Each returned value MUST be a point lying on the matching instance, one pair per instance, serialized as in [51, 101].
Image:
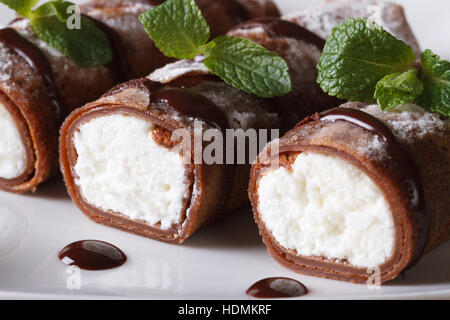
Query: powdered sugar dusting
[6, 65]
[410, 121]
[251, 32]
[321, 18]
[122, 19]
[374, 149]
[243, 110]
[177, 69]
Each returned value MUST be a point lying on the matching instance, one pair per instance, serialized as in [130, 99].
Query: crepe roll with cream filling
[123, 168]
[121, 164]
[355, 192]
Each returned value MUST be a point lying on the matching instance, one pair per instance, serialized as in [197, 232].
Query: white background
[220, 261]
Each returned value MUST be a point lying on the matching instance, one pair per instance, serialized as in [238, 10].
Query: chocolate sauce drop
[278, 287]
[37, 61]
[403, 159]
[92, 255]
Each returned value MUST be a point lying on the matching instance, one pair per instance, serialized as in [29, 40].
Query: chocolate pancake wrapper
[392, 209]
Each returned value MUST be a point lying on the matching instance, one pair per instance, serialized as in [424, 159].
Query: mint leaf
[177, 27]
[22, 7]
[56, 7]
[436, 80]
[248, 66]
[397, 89]
[179, 30]
[87, 46]
[357, 55]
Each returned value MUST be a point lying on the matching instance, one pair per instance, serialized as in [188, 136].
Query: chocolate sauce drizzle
[37, 61]
[191, 105]
[278, 287]
[92, 255]
[403, 160]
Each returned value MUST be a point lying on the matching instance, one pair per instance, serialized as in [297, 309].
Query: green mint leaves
[356, 56]
[436, 80]
[397, 89]
[363, 62]
[180, 31]
[59, 25]
[177, 28]
[87, 46]
[248, 66]
[59, 8]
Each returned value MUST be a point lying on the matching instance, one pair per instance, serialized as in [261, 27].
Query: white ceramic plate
[220, 261]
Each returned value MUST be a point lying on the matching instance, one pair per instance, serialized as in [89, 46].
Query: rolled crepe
[123, 168]
[39, 86]
[220, 15]
[322, 17]
[355, 192]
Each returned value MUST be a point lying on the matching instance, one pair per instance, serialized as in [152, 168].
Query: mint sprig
[363, 62]
[357, 55]
[262, 72]
[58, 8]
[180, 31]
[178, 28]
[436, 80]
[86, 44]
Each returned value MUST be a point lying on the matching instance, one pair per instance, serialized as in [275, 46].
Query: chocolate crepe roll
[221, 15]
[355, 192]
[322, 17]
[39, 86]
[159, 196]
[123, 168]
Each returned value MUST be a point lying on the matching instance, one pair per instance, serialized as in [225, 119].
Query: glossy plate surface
[220, 261]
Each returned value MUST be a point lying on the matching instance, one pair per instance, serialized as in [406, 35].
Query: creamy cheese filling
[329, 208]
[13, 156]
[120, 168]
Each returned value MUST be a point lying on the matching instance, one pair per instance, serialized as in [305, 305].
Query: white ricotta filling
[13, 155]
[120, 168]
[327, 207]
